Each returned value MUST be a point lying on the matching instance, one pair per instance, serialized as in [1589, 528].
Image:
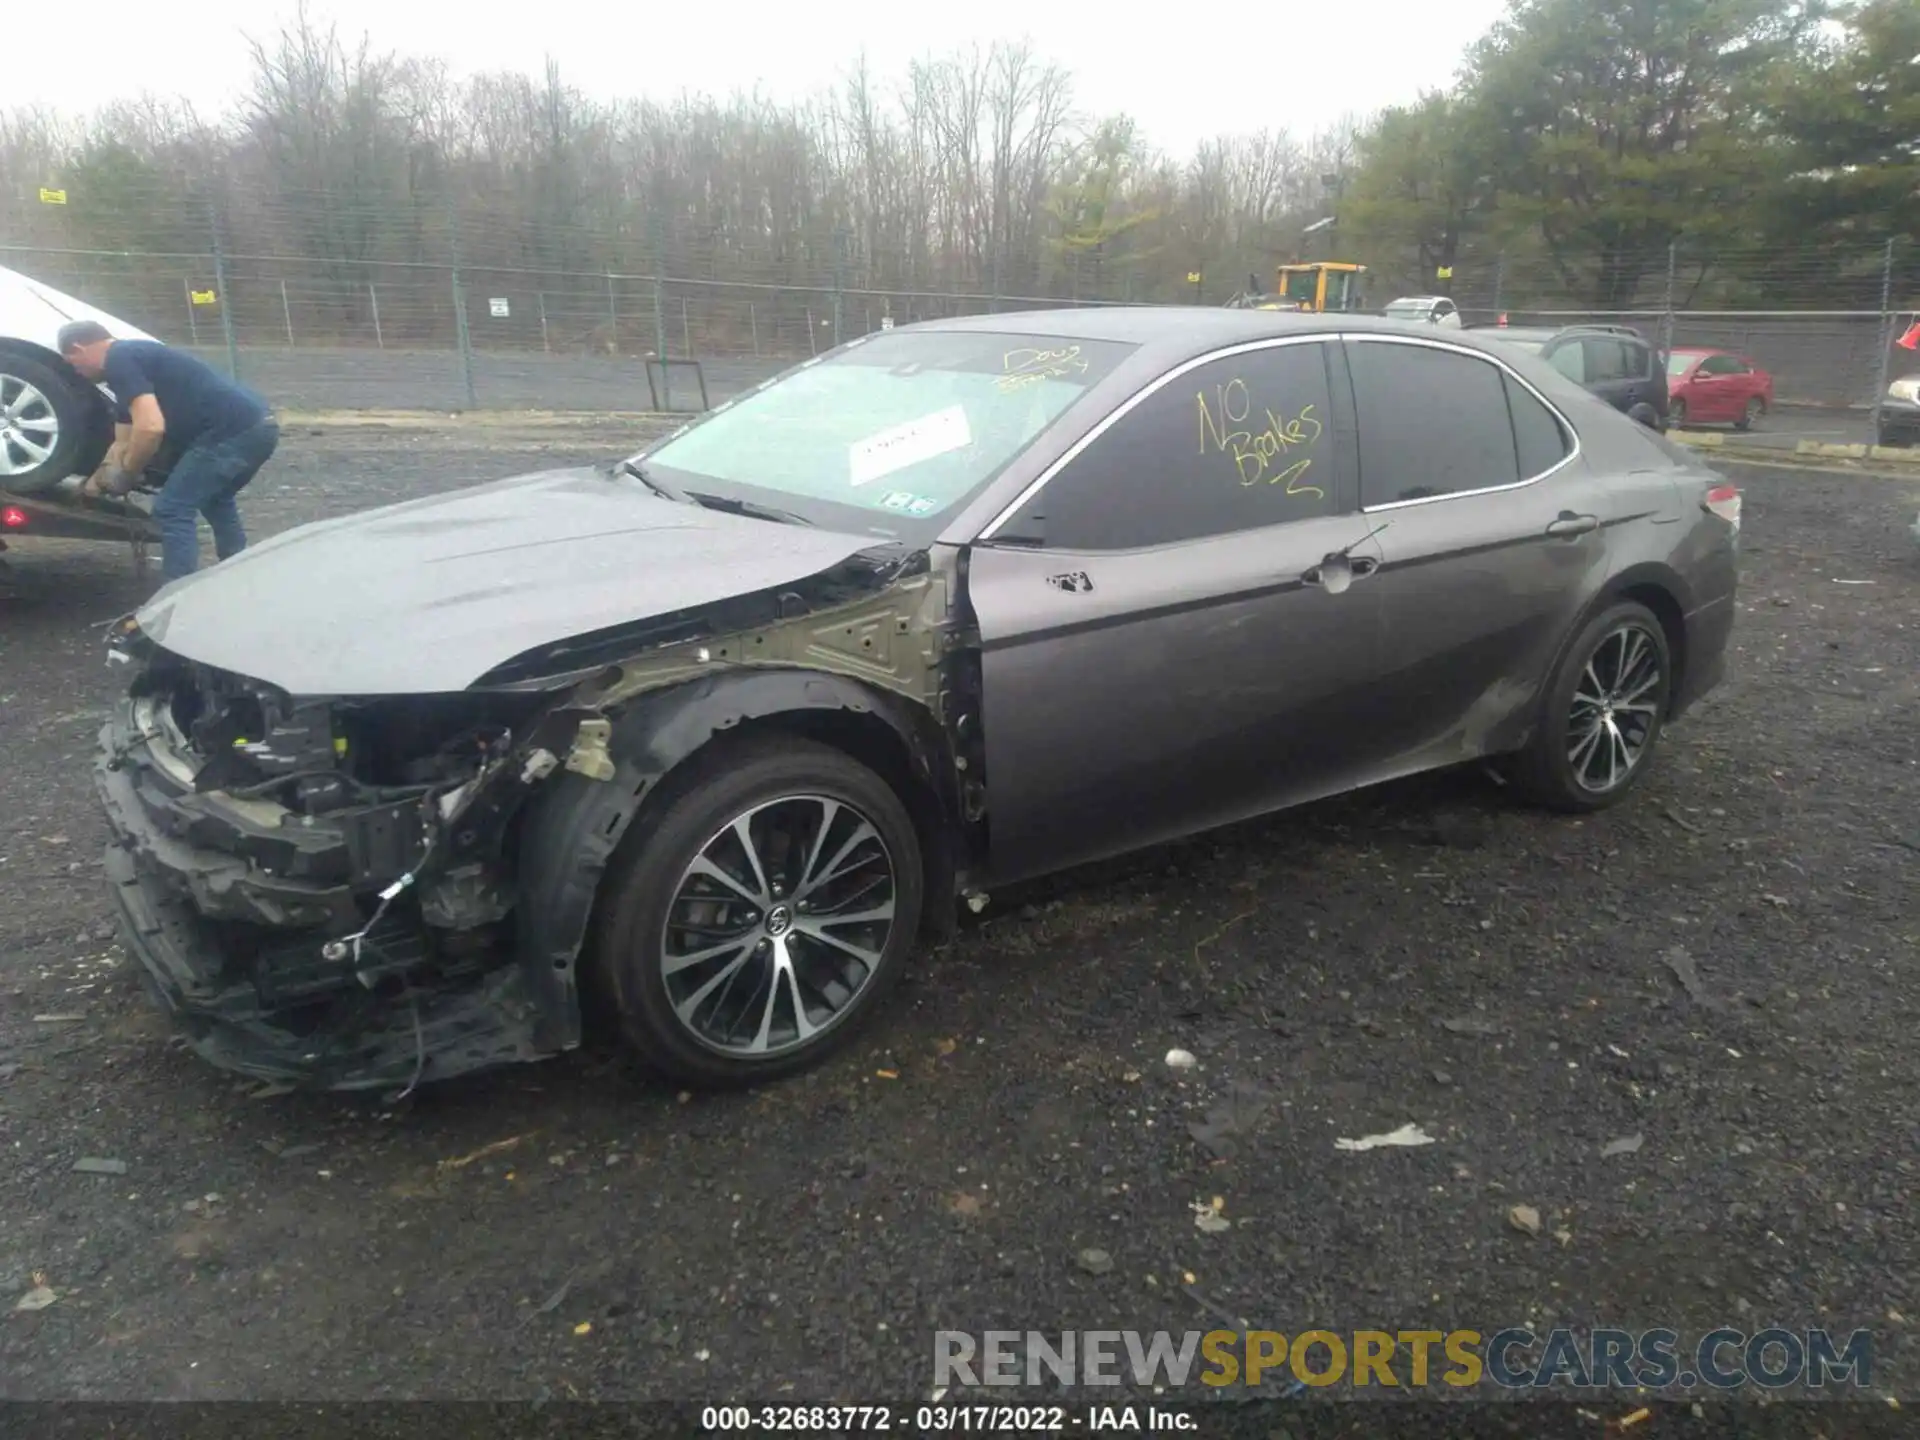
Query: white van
[53, 424]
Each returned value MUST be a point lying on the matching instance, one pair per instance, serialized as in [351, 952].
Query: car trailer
[64, 514]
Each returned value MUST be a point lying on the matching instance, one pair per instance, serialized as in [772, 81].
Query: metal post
[753, 324]
[193, 320]
[545, 344]
[686, 333]
[1887, 321]
[373, 298]
[813, 346]
[613, 315]
[462, 335]
[1500, 285]
[465, 339]
[286, 309]
[839, 283]
[222, 294]
[657, 236]
[1666, 318]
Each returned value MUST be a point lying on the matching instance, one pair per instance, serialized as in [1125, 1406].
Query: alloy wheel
[1755, 409]
[1615, 709]
[29, 426]
[778, 925]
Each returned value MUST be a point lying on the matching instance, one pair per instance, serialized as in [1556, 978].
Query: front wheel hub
[777, 926]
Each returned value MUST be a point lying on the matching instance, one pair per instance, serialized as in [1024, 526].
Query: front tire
[50, 426]
[1750, 417]
[763, 915]
[1677, 414]
[1602, 716]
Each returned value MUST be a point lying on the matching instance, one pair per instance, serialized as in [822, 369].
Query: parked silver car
[707, 739]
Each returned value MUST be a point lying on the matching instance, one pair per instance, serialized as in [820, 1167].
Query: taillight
[1724, 501]
[13, 517]
[1502, 322]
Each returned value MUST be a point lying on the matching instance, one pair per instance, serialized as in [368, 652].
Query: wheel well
[14, 345]
[874, 743]
[1673, 623]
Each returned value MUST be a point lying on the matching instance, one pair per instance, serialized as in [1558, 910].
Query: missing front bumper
[277, 1007]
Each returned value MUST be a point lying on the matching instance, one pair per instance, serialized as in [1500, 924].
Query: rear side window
[1570, 359]
[1537, 433]
[1610, 359]
[1431, 422]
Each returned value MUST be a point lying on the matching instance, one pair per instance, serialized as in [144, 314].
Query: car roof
[1171, 333]
[1417, 300]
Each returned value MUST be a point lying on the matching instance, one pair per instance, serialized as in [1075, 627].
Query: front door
[1161, 654]
[1722, 386]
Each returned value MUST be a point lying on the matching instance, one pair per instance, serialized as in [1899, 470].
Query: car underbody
[364, 893]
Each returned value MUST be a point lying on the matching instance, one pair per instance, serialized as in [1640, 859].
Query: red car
[1716, 387]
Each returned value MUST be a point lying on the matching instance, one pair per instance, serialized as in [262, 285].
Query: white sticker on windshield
[903, 445]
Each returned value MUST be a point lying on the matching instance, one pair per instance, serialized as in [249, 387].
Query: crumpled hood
[429, 595]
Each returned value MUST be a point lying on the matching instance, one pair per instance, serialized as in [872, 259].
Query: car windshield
[901, 426]
[1529, 343]
[1681, 362]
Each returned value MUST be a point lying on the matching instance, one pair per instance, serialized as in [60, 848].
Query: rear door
[1495, 535]
[1158, 654]
[1743, 379]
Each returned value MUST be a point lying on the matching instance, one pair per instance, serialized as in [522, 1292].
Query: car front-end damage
[363, 893]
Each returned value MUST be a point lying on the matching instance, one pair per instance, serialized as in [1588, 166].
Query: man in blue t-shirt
[219, 432]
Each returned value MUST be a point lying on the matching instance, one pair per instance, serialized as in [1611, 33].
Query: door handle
[1359, 568]
[1569, 525]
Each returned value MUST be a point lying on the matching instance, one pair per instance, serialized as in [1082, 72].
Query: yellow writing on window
[1227, 426]
[1029, 366]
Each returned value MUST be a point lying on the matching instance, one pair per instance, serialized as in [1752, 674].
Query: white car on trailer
[54, 425]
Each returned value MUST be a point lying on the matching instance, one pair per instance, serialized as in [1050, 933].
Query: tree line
[1593, 152]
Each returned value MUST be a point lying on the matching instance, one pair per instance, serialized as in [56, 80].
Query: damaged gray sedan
[705, 742]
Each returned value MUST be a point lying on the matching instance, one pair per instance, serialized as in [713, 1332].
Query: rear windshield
[1406, 307]
[903, 425]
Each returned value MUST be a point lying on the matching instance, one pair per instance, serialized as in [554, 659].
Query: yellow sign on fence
[1446, 272]
[203, 297]
[1193, 277]
[52, 197]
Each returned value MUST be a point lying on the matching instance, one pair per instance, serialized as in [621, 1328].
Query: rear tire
[1602, 716]
[786, 979]
[51, 426]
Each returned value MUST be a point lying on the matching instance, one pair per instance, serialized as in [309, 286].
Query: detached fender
[572, 827]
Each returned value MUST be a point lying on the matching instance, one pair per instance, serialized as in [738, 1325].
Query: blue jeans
[204, 481]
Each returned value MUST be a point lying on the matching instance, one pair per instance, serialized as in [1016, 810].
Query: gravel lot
[1422, 953]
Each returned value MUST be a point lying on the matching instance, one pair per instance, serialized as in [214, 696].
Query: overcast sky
[1231, 66]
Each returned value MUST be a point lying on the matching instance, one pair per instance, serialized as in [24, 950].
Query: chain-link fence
[323, 335]
[1824, 322]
